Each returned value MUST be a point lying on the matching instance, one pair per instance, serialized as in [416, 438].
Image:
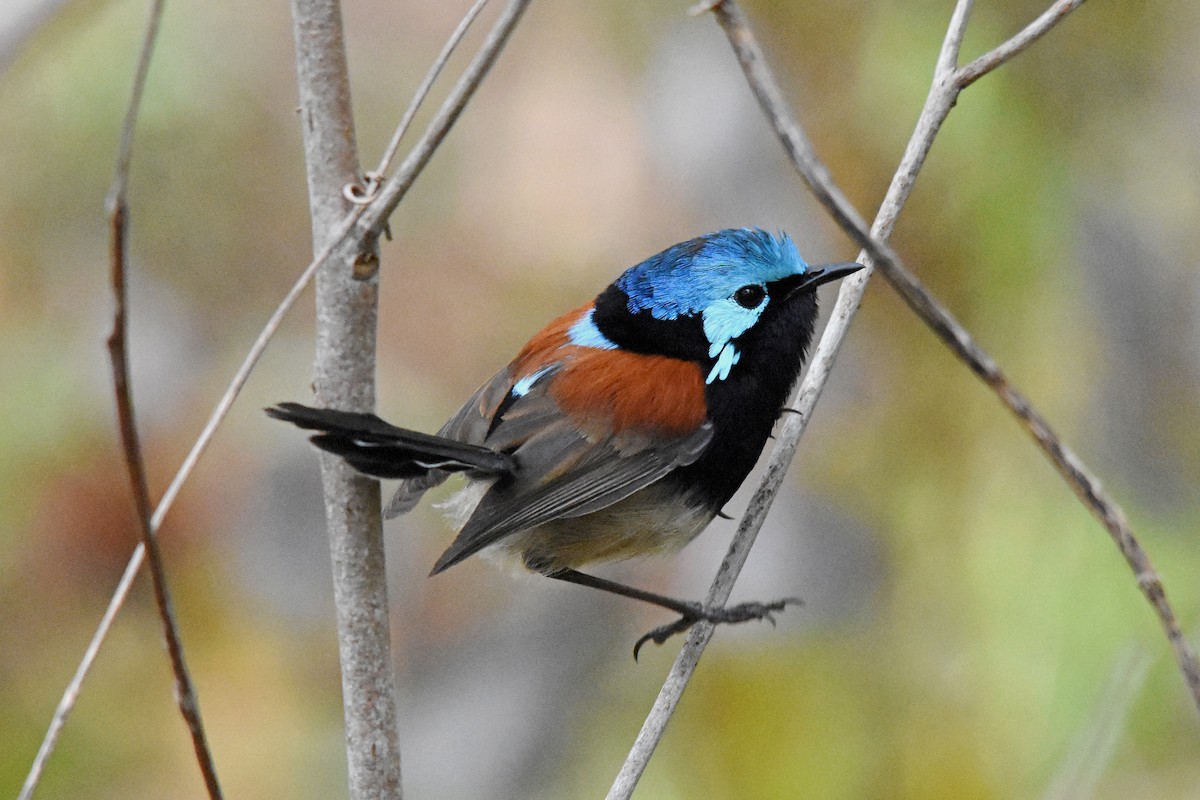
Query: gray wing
[563, 471]
[470, 424]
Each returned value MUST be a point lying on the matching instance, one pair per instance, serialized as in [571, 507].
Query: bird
[620, 429]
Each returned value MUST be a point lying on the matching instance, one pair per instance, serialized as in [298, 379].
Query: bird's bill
[826, 273]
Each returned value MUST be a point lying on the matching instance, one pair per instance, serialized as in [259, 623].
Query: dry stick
[937, 106]
[392, 192]
[118, 214]
[118, 218]
[185, 692]
[987, 62]
[121, 592]
[375, 213]
[788, 435]
[1072, 469]
[423, 91]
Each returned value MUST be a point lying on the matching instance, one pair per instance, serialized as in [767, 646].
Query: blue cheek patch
[720, 371]
[724, 321]
[584, 333]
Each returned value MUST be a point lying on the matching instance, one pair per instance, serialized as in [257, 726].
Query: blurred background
[969, 630]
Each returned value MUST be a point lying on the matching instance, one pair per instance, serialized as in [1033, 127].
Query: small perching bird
[623, 426]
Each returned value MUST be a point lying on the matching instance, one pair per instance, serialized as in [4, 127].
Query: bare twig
[375, 213]
[118, 211]
[1090, 753]
[118, 215]
[124, 585]
[947, 83]
[398, 185]
[952, 41]
[185, 692]
[419, 96]
[987, 62]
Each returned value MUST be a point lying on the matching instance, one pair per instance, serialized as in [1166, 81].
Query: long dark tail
[377, 448]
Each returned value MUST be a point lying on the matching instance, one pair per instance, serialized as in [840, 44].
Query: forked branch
[878, 254]
[948, 82]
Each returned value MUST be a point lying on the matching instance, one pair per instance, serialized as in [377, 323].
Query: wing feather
[584, 427]
[469, 425]
[564, 471]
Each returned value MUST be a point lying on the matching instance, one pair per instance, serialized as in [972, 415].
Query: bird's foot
[742, 612]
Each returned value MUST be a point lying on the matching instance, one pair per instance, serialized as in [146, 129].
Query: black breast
[743, 407]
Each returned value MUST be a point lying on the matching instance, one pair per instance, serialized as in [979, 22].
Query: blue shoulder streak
[522, 387]
[585, 333]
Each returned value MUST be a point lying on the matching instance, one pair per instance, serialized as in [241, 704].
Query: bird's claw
[664, 632]
[742, 612]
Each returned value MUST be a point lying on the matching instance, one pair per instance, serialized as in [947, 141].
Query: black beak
[814, 277]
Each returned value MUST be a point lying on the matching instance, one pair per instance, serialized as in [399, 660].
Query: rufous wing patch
[609, 391]
[630, 392]
[546, 346]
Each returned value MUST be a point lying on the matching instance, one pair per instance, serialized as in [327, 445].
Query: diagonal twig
[418, 98]
[137, 558]
[880, 255]
[375, 213]
[965, 76]
[792, 427]
[383, 203]
[948, 82]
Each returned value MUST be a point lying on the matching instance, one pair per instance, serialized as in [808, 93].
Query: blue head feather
[700, 277]
[688, 277]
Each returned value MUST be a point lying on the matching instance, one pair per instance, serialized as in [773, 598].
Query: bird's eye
[750, 296]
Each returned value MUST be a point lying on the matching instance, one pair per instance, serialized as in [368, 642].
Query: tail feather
[382, 450]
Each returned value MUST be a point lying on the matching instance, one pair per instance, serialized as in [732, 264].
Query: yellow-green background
[970, 631]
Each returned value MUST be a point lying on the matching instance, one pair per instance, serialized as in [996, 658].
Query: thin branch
[118, 210]
[344, 377]
[1030, 34]
[71, 694]
[375, 213]
[185, 692]
[397, 186]
[422, 92]
[952, 43]
[943, 93]
[118, 214]
[1089, 755]
[879, 254]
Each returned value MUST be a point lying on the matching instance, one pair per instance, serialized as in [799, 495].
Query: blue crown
[688, 277]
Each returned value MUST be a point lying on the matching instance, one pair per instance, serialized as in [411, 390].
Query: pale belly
[648, 522]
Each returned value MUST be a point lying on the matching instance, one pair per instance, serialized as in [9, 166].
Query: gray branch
[344, 377]
[949, 81]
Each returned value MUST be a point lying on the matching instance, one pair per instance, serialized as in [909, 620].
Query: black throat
[743, 406]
